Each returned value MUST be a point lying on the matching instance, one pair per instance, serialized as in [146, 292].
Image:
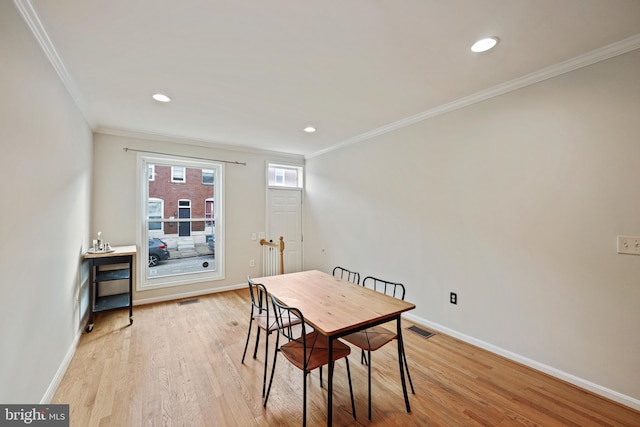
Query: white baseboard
[142, 301]
[57, 379]
[564, 376]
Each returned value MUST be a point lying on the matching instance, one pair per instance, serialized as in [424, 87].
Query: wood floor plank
[179, 365]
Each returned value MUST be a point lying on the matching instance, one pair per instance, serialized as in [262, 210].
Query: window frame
[144, 282]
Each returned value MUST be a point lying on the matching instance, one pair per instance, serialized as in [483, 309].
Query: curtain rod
[126, 149]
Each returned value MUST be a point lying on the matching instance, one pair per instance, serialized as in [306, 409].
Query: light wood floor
[179, 365]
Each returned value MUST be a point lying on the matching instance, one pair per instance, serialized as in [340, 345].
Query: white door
[285, 219]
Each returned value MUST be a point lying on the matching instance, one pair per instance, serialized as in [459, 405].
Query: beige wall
[44, 220]
[114, 204]
[514, 203]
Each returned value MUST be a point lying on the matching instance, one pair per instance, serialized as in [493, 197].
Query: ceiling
[255, 73]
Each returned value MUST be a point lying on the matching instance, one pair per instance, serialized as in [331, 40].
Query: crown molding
[127, 133]
[30, 16]
[601, 54]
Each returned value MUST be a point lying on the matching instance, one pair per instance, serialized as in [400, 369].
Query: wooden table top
[117, 251]
[330, 305]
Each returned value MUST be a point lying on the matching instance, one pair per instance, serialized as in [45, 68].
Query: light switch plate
[629, 245]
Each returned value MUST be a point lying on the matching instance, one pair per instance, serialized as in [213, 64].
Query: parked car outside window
[157, 251]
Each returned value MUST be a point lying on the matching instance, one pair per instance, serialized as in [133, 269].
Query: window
[207, 177]
[284, 176]
[208, 211]
[156, 207]
[181, 228]
[178, 174]
[279, 176]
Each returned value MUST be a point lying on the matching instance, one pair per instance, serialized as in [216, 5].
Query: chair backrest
[259, 297]
[287, 316]
[272, 257]
[348, 275]
[393, 289]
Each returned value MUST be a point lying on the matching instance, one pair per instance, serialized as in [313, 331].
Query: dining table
[336, 308]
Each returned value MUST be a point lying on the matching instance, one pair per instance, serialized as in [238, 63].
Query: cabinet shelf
[105, 276]
[111, 302]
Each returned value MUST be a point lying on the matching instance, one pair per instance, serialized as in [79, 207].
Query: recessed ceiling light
[161, 97]
[309, 129]
[484, 45]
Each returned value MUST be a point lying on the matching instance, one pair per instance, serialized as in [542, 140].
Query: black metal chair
[264, 320]
[348, 275]
[372, 339]
[306, 351]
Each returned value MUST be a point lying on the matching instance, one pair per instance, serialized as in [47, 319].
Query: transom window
[284, 176]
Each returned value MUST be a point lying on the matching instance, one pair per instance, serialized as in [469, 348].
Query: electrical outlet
[629, 245]
[453, 298]
[252, 263]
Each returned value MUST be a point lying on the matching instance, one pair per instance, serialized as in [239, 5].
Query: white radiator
[272, 257]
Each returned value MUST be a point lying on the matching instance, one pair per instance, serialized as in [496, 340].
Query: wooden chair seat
[317, 351]
[371, 339]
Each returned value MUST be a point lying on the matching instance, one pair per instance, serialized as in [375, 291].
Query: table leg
[330, 383]
[401, 364]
